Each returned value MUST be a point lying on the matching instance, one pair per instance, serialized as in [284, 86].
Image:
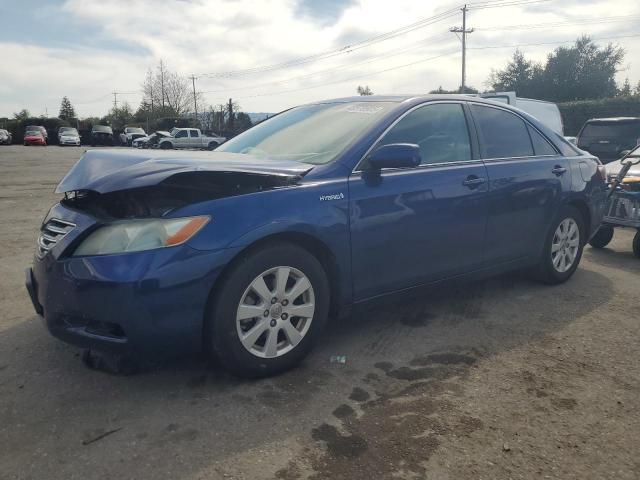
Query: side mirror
[395, 155]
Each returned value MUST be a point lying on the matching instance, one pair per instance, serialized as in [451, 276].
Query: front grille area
[51, 233]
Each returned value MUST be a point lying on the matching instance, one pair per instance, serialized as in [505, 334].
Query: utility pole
[195, 102]
[464, 32]
[115, 101]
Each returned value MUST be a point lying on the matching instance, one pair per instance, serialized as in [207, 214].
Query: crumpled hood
[105, 171]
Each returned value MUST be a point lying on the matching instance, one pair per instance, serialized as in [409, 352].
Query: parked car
[190, 138]
[607, 138]
[5, 137]
[40, 128]
[150, 141]
[68, 136]
[101, 135]
[130, 134]
[245, 250]
[34, 137]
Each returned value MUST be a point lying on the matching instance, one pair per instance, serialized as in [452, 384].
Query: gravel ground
[502, 379]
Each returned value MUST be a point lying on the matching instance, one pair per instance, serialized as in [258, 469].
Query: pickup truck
[190, 138]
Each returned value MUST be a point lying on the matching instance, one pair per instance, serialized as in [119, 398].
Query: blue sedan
[244, 252]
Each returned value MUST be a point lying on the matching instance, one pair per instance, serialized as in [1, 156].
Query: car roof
[420, 97]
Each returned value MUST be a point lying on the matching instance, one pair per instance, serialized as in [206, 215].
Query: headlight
[139, 235]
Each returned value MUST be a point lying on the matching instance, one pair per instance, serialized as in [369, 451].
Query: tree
[467, 89]
[579, 72]
[364, 90]
[520, 75]
[67, 111]
[167, 93]
[22, 115]
[636, 91]
[120, 116]
[625, 91]
[243, 121]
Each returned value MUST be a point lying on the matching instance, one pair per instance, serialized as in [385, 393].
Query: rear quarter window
[541, 145]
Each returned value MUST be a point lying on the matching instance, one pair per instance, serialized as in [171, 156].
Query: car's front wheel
[269, 311]
[563, 247]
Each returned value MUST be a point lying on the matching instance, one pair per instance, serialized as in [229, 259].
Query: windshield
[102, 129]
[313, 134]
[31, 133]
[134, 130]
[611, 130]
[70, 132]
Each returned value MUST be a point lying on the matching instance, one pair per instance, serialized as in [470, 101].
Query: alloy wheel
[275, 312]
[565, 245]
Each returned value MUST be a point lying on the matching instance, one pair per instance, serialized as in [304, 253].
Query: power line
[351, 78]
[370, 59]
[340, 51]
[507, 3]
[582, 21]
[556, 42]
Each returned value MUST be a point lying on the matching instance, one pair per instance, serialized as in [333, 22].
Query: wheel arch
[581, 205]
[313, 245]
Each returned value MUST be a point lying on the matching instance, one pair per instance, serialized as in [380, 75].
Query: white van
[547, 112]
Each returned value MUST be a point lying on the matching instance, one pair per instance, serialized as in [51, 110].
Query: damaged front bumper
[144, 302]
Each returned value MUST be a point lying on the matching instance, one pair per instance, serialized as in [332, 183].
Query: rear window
[102, 129]
[611, 130]
[502, 134]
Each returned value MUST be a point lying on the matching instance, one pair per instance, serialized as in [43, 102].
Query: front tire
[602, 237]
[269, 311]
[166, 146]
[563, 248]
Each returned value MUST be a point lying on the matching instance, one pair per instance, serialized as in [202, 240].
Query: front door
[417, 225]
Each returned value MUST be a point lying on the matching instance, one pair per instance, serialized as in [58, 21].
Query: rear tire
[562, 249]
[293, 336]
[166, 145]
[602, 237]
[636, 244]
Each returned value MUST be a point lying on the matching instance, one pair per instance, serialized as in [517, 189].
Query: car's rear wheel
[602, 237]
[269, 311]
[213, 145]
[563, 247]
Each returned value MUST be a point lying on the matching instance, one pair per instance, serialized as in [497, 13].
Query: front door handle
[558, 170]
[473, 181]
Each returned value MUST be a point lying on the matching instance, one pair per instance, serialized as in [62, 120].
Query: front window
[439, 129]
[70, 132]
[314, 134]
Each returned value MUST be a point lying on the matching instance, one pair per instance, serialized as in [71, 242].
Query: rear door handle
[558, 170]
[472, 181]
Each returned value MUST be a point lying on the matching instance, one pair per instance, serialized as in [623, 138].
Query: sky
[269, 55]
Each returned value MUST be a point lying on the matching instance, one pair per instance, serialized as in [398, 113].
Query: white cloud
[212, 36]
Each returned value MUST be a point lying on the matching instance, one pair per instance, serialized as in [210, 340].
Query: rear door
[527, 180]
[417, 225]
